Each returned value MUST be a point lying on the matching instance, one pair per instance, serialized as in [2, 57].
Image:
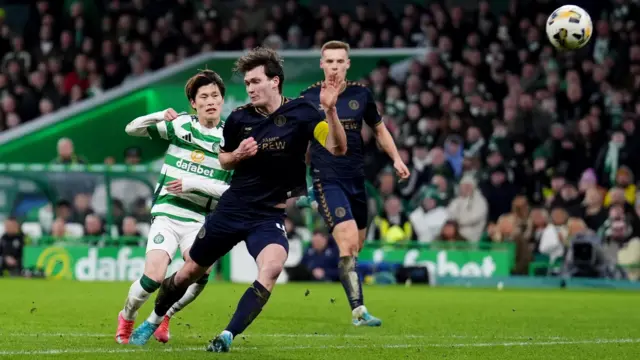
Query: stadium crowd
[507, 140]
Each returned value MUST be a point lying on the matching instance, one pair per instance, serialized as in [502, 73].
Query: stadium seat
[32, 230]
[143, 229]
[74, 230]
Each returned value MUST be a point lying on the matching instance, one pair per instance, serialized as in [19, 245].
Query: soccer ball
[569, 28]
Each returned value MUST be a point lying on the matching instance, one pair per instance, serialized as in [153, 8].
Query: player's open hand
[329, 92]
[170, 114]
[175, 186]
[401, 170]
[247, 148]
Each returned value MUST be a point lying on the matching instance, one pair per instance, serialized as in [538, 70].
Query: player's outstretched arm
[149, 125]
[336, 140]
[189, 184]
[387, 143]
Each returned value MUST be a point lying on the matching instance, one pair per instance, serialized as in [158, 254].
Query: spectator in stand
[129, 227]
[321, 260]
[58, 229]
[623, 181]
[428, 218]
[81, 207]
[94, 229]
[499, 193]
[11, 247]
[66, 153]
[470, 210]
[393, 225]
[554, 237]
[63, 210]
[450, 232]
[593, 212]
[537, 223]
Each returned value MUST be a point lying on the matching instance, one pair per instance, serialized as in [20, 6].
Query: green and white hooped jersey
[193, 152]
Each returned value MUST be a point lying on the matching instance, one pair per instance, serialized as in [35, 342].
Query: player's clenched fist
[170, 114]
[247, 148]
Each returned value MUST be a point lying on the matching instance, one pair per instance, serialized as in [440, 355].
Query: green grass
[71, 320]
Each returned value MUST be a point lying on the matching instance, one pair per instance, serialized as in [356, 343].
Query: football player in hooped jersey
[338, 182]
[190, 185]
[264, 142]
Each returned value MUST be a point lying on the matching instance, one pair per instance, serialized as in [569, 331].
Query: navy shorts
[341, 200]
[234, 221]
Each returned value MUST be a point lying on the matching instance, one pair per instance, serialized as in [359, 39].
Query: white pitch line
[331, 336]
[321, 347]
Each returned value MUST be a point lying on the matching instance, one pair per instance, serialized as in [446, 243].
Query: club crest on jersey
[202, 232]
[216, 146]
[159, 239]
[280, 120]
[197, 156]
[354, 105]
[341, 212]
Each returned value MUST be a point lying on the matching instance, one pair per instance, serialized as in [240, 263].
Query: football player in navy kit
[339, 181]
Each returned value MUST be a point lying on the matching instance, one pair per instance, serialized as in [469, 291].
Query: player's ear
[348, 63]
[276, 81]
[192, 102]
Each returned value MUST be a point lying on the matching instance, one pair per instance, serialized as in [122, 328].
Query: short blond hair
[335, 44]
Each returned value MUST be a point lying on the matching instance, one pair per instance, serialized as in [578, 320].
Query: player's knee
[347, 238]
[156, 265]
[270, 270]
[190, 272]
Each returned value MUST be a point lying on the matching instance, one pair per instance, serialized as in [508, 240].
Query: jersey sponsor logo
[280, 120]
[272, 144]
[341, 212]
[158, 239]
[197, 156]
[354, 105]
[195, 168]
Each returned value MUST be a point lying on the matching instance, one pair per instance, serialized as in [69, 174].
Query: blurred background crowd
[507, 139]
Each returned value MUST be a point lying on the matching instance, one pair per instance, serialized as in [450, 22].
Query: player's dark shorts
[341, 200]
[234, 221]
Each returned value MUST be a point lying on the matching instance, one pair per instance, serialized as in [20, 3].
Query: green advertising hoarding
[113, 263]
[99, 132]
[447, 261]
[86, 263]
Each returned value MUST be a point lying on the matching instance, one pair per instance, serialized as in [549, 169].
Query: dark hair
[262, 56]
[321, 233]
[203, 78]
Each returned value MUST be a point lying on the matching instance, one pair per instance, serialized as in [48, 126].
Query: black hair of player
[262, 56]
[203, 78]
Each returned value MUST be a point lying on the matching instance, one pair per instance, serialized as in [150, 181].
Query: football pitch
[42, 319]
